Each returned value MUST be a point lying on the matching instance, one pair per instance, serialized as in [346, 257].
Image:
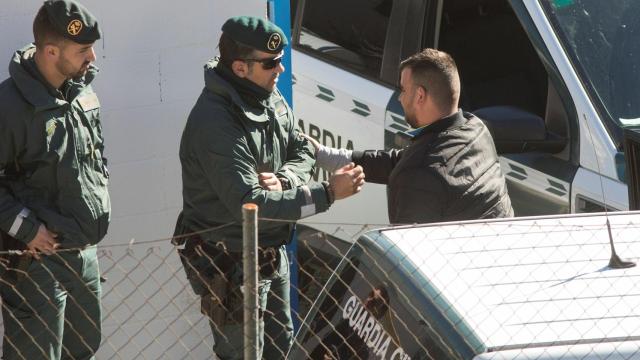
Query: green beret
[73, 21]
[256, 32]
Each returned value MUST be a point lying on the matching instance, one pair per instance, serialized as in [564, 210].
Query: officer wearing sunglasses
[268, 63]
[241, 144]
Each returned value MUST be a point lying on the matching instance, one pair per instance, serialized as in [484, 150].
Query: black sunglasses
[267, 64]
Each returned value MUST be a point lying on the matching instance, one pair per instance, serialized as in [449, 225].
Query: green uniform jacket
[51, 166]
[225, 144]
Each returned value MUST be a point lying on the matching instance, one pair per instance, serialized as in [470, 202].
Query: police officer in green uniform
[53, 188]
[241, 144]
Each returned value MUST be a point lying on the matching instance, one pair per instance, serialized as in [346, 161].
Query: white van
[557, 82]
[524, 288]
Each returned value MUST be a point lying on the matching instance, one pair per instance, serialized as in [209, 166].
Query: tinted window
[369, 312]
[319, 255]
[351, 33]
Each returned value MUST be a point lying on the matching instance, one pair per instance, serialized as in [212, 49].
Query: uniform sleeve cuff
[328, 192]
[315, 200]
[29, 229]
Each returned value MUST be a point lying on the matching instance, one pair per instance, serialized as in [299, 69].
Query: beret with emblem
[73, 21]
[255, 32]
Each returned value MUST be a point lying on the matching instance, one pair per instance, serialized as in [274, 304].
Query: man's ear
[51, 51]
[421, 94]
[240, 68]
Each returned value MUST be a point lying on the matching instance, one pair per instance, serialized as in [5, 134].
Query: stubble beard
[66, 68]
[411, 120]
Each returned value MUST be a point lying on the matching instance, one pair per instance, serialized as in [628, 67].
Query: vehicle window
[513, 75]
[512, 79]
[366, 314]
[316, 260]
[601, 38]
[632, 157]
[351, 33]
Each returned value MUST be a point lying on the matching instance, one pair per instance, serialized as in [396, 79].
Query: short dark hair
[43, 31]
[231, 50]
[436, 71]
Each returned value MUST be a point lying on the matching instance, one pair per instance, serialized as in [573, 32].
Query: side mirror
[517, 131]
[632, 156]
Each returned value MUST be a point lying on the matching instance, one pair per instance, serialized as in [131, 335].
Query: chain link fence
[527, 288]
[149, 308]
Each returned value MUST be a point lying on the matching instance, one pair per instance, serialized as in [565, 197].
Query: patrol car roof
[529, 282]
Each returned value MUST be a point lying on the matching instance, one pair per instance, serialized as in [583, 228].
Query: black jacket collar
[452, 121]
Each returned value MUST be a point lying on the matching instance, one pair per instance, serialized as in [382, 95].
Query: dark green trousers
[53, 311]
[275, 328]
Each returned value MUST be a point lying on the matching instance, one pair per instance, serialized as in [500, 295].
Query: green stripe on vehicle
[325, 94]
[517, 172]
[361, 108]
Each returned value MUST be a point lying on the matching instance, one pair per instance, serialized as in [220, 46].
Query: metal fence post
[250, 271]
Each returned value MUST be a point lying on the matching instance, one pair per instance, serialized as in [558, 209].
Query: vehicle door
[551, 80]
[345, 60]
[555, 98]
[510, 80]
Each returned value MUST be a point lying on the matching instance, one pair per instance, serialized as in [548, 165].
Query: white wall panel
[179, 74]
[16, 19]
[130, 81]
[151, 60]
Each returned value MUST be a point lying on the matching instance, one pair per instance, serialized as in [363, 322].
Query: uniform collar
[32, 85]
[219, 85]
[250, 92]
[452, 121]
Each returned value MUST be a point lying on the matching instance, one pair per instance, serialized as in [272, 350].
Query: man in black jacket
[450, 171]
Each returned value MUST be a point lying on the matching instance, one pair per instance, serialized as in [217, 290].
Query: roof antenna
[615, 262]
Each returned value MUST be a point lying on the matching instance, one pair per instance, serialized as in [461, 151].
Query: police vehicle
[524, 288]
[556, 81]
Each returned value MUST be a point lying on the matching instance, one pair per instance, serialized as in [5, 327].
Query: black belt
[224, 260]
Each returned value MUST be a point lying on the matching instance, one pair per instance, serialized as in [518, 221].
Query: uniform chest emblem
[281, 108]
[51, 128]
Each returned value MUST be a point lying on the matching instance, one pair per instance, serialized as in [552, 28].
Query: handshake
[346, 180]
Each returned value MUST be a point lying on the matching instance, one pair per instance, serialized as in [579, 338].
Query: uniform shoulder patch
[89, 102]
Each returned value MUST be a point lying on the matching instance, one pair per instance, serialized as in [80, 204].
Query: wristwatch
[285, 183]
